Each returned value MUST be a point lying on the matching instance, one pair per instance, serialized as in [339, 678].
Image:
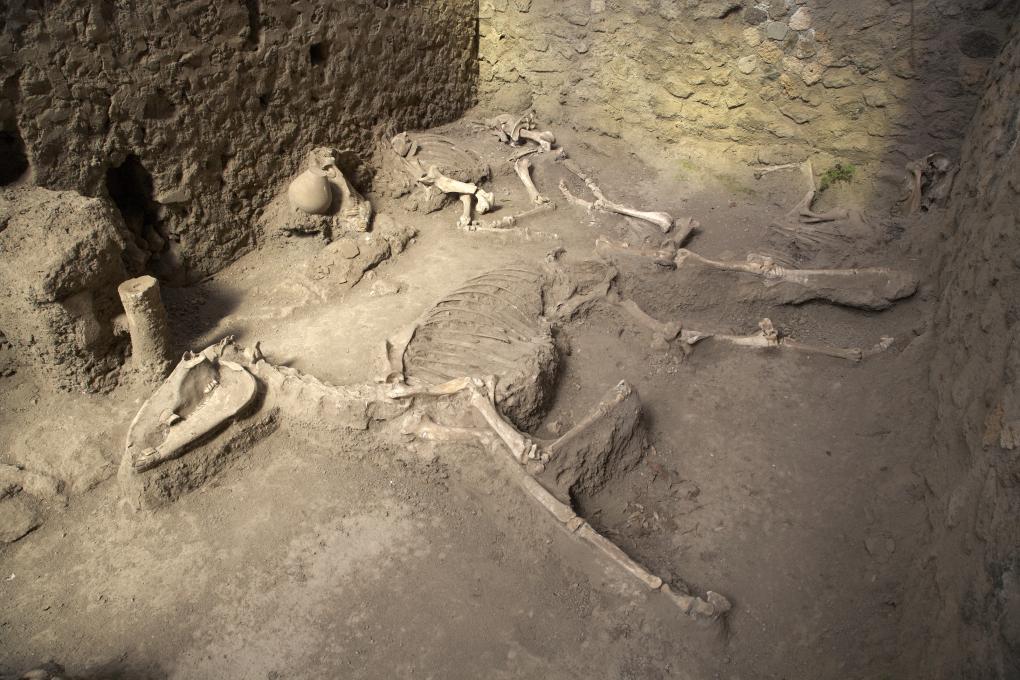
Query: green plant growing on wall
[840, 172]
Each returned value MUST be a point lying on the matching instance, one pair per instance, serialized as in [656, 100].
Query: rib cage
[491, 325]
[451, 160]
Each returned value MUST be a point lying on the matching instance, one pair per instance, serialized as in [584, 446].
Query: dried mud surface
[781, 480]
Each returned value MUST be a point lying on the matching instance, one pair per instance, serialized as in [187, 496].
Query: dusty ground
[782, 481]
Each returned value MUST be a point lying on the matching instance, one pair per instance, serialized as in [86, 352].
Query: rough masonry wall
[192, 113]
[969, 584]
[855, 79]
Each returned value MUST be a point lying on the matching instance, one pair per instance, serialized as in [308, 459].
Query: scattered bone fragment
[761, 172]
[872, 288]
[930, 181]
[662, 220]
[147, 325]
[523, 169]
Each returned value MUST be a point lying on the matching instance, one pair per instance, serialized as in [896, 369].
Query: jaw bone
[201, 396]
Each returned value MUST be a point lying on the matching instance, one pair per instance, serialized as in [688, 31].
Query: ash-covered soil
[781, 480]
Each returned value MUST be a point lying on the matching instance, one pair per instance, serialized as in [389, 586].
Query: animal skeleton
[414, 157]
[489, 333]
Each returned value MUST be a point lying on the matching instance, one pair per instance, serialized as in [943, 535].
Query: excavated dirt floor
[780, 480]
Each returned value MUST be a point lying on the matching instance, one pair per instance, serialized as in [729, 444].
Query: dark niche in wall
[318, 53]
[130, 187]
[13, 160]
[254, 24]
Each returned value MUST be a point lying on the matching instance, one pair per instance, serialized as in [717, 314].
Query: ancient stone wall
[856, 79]
[190, 114]
[968, 586]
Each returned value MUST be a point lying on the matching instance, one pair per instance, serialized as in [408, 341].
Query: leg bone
[544, 139]
[512, 220]
[768, 337]
[523, 168]
[660, 219]
[481, 399]
[872, 288]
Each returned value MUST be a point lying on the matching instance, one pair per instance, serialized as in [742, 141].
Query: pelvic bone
[512, 131]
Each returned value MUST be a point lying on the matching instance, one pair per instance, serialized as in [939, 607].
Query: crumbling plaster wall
[219, 101]
[854, 79]
[969, 582]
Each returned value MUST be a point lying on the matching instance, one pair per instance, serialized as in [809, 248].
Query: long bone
[871, 288]
[480, 396]
[523, 169]
[664, 256]
[511, 221]
[802, 210]
[662, 220]
[769, 338]
[483, 200]
[545, 139]
[711, 607]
